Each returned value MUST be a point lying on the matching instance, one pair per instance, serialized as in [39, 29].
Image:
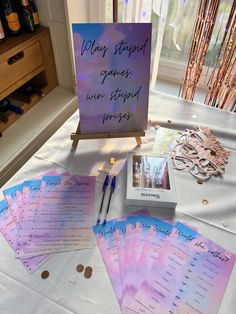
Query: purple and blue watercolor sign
[113, 70]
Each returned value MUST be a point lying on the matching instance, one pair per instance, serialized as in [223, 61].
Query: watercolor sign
[113, 69]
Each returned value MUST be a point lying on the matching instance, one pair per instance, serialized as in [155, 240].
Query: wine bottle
[6, 105]
[29, 90]
[34, 11]
[2, 34]
[10, 18]
[27, 17]
[20, 96]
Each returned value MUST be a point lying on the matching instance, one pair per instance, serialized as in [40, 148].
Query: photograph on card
[150, 181]
[150, 172]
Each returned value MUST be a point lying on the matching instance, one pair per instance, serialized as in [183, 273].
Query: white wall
[82, 11]
[76, 11]
[58, 15]
[52, 14]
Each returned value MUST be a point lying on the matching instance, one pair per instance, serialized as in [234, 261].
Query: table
[66, 291]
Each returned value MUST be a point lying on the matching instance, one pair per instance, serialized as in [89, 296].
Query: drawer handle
[16, 57]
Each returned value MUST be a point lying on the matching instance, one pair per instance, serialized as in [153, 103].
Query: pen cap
[105, 184]
[113, 184]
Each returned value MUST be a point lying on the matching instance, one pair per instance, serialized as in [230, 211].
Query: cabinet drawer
[20, 64]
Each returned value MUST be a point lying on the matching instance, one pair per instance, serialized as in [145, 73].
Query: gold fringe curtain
[206, 16]
[222, 86]
[222, 83]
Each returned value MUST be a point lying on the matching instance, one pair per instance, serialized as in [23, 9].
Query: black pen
[105, 184]
[113, 185]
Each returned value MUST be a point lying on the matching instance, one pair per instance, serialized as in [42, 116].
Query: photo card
[150, 181]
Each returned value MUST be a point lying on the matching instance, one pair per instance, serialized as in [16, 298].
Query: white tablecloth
[66, 291]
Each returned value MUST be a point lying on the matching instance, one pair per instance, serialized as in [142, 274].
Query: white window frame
[175, 71]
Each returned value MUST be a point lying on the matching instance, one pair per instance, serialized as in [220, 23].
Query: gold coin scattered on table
[199, 181]
[205, 202]
[88, 272]
[112, 161]
[45, 274]
[80, 268]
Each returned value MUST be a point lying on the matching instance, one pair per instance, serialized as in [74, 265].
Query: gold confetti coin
[112, 161]
[45, 274]
[205, 202]
[88, 272]
[80, 268]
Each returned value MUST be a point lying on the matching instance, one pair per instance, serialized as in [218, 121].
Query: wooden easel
[75, 137]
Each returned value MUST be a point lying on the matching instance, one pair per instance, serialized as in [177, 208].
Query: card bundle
[49, 214]
[156, 266]
[150, 181]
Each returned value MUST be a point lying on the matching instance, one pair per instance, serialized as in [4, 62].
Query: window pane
[218, 33]
[184, 37]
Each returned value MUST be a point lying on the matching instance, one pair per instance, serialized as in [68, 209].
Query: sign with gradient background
[112, 69]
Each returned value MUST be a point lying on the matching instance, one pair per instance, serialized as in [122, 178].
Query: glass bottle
[34, 11]
[10, 17]
[2, 34]
[27, 17]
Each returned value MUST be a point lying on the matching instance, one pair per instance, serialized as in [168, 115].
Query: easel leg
[76, 137]
[138, 140]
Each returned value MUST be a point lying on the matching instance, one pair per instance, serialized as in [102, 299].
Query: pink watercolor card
[189, 275]
[136, 233]
[106, 240]
[133, 230]
[30, 195]
[156, 238]
[13, 196]
[63, 217]
[121, 238]
[204, 280]
[149, 250]
[158, 285]
[9, 230]
[18, 203]
[110, 239]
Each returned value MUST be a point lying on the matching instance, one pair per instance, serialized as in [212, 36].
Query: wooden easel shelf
[75, 137]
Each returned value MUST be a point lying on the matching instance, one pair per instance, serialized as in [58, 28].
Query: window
[178, 31]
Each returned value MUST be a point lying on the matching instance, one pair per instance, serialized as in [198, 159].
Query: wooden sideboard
[26, 58]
